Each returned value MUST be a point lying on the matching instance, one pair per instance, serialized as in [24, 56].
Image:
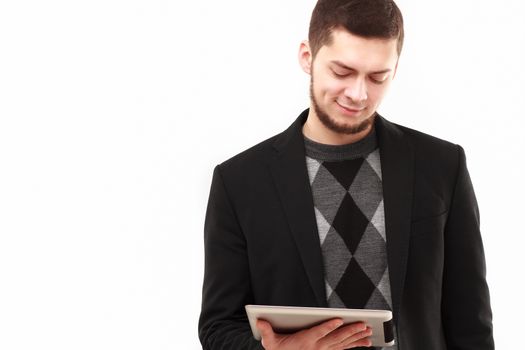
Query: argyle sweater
[348, 202]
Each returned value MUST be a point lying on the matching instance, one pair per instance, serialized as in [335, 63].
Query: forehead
[364, 54]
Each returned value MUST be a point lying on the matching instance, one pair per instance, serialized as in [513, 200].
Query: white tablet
[289, 319]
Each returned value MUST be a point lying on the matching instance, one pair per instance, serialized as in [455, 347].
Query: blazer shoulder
[431, 148]
[437, 162]
[427, 141]
[250, 159]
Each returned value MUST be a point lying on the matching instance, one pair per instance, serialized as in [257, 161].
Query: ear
[305, 57]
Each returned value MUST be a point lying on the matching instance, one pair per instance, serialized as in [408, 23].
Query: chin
[350, 124]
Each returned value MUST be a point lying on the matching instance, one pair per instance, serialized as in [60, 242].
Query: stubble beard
[332, 125]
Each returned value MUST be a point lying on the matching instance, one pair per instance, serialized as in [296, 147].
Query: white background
[114, 113]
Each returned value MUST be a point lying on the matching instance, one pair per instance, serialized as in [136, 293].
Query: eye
[340, 74]
[378, 81]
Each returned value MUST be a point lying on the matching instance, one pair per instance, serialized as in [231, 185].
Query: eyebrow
[342, 65]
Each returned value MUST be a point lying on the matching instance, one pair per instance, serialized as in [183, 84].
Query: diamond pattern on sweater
[344, 171]
[379, 221]
[350, 219]
[322, 225]
[365, 192]
[328, 193]
[348, 201]
[384, 288]
[375, 162]
[350, 223]
[371, 244]
[352, 297]
[335, 254]
[312, 166]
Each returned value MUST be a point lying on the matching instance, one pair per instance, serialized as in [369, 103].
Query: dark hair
[379, 19]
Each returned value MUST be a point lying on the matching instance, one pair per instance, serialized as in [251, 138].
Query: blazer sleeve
[466, 311]
[223, 323]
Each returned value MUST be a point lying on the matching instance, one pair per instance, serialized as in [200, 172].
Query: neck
[316, 131]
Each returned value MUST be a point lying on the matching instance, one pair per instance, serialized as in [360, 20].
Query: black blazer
[262, 246]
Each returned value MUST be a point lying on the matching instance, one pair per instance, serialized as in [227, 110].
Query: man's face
[349, 79]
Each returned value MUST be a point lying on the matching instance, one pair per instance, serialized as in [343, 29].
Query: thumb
[265, 329]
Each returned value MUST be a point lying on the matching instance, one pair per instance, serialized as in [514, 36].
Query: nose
[356, 91]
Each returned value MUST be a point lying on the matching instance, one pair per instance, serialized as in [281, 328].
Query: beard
[333, 125]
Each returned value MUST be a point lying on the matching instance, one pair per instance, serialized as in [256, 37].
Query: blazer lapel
[397, 167]
[291, 180]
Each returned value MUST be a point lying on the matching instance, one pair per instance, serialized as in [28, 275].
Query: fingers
[349, 336]
[356, 340]
[328, 335]
[325, 328]
[345, 332]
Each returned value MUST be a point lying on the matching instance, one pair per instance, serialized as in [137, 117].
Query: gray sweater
[348, 200]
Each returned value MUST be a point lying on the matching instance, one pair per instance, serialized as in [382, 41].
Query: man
[346, 209]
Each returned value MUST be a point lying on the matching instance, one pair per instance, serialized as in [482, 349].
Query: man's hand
[327, 335]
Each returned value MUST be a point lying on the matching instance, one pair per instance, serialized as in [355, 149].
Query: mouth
[349, 110]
